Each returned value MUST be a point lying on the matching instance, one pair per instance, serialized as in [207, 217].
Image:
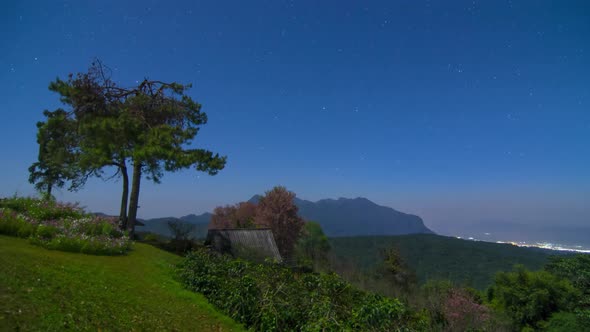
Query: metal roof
[252, 243]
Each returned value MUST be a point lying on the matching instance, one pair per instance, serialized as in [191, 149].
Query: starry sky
[459, 111]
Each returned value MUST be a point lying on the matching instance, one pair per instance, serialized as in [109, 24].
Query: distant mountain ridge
[338, 217]
[357, 216]
[160, 225]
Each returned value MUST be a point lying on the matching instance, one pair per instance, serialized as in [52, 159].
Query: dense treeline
[434, 257]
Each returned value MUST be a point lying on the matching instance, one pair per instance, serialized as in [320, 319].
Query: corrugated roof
[246, 243]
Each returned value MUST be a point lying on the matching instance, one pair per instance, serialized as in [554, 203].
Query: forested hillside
[472, 263]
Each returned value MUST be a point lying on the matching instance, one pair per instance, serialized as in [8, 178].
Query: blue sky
[460, 112]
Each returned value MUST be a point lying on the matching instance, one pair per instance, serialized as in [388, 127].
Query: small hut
[255, 244]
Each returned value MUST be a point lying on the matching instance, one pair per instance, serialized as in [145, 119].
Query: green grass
[52, 291]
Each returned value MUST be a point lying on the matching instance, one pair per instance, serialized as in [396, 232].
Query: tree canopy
[55, 165]
[148, 127]
[240, 215]
[277, 211]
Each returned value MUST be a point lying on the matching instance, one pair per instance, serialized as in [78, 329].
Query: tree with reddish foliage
[240, 215]
[463, 312]
[245, 215]
[277, 211]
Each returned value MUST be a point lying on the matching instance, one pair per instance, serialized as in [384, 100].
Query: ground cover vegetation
[61, 226]
[272, 297]
[50, 290]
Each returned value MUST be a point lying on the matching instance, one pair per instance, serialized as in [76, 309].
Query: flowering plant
[62, 226]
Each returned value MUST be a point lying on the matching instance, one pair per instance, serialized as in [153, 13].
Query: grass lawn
[53, 291]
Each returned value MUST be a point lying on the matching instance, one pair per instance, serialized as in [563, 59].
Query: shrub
[46, 232]
[529, 298]
[25, 229]
[150, 237]
[565, 322]
[42, 210]
[9, 222]
[271, 297]
[60, 226]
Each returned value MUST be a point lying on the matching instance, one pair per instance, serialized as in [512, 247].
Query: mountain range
[338, 217]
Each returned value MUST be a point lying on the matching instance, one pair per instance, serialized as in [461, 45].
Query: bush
[150, 237]
[529, 298]
[46, 232]
[271, 297]
[42, 210]
[9, 222]
[565, 322]
[60, 226]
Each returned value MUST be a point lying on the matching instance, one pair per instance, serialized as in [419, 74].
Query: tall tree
[277, 211]
[530, 297]
[147, 127]
[313, 246]
[396, 271]
[55, 165]
[104, 129]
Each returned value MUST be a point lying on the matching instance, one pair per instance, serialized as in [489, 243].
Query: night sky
[458, 111]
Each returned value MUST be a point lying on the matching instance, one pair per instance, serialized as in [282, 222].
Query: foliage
[150, 237]
[312, 247]
[395, 271]
[240, 215]
[149, 126]
[566, 322]
[452, 308]
[277, 211]
[180, 230]
[576, 269]
[160, 227]
[434, 257]
[43, 290]
[42, 210]
[182, 240]
[55, 162]
[529, 298]
[463, 312]
[61, 226]
[270, 297]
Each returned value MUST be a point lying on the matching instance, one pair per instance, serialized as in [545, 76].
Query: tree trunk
[134, 199]
[49, 187]
[124, 197]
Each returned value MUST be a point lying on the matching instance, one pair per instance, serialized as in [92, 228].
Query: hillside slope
[473, 263]
[52, 291]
